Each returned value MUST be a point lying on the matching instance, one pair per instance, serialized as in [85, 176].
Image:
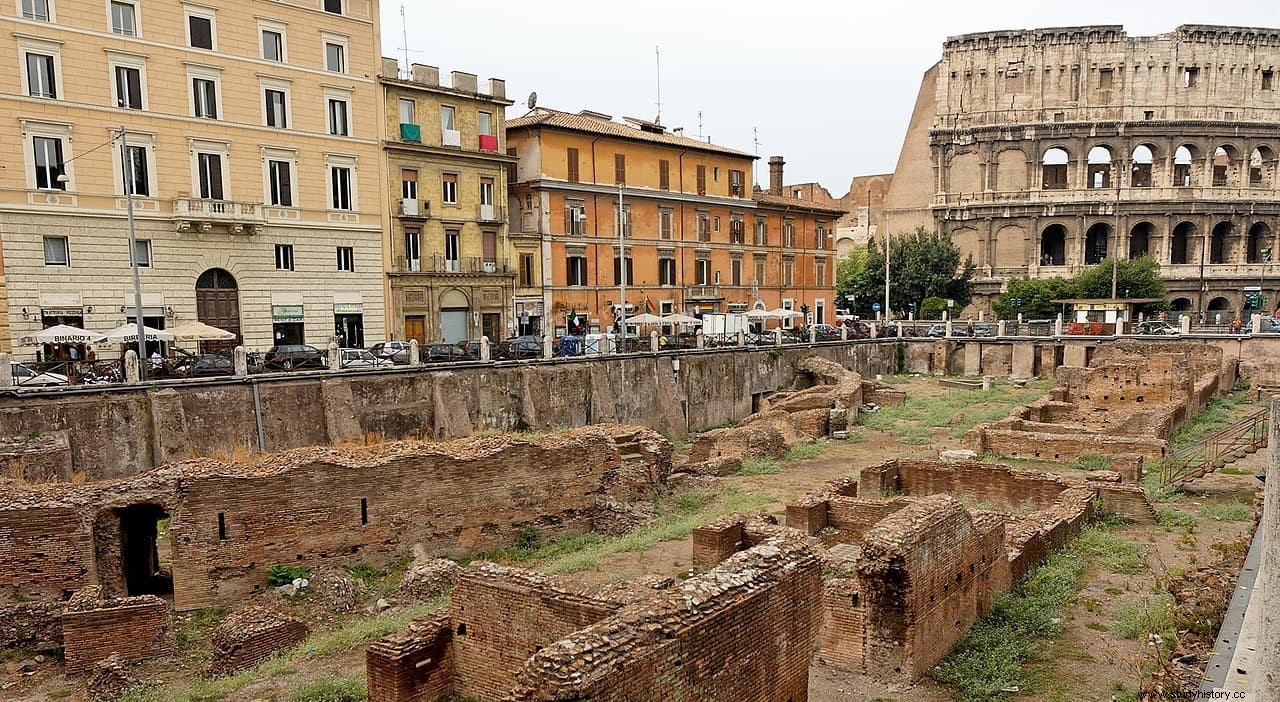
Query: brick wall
[1031, 538]
[137, 628]
[842, 642]
[43, 552]
[743, 631]
[250, 636]
[1064, 446]
[854, 516]
[980, 482]
[717, 540]
[414, 665]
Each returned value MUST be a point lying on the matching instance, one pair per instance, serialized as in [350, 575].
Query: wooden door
[415, 328]
[218, 305]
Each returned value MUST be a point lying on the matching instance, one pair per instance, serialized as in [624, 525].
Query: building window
[820, 273]
[409, 184]
[716, 223]
[123, 18]
[664, 174]
[36, 10]
[665, 219]
[284, 257]
[575, 217]
[702, 271]
[452, 251]
[619, 169]
[413, 250]
[789, 233]
[280, 175]
[735, 183]
[760, 270]
[526, 270]
[346, 259]
[128, 88]
[57, 252]
[618, 265]
[142, 253]
[335, 57]
[338, 117]
[1268, 78]
[761, 233]
[136, 173]
[1190, 75]
[446, 117]
[49, 163]
[484, 123]
[704, 226]
[736, 230]
[820, 236]
[205, 92]
[571, 161]
[41, 79]
[199, 31]
[209, 167]
[702, 179]
[275, 107]
[333, 6]
[340, 187]
[407, 111]
[449, 189]
[735, 271]
[666, 271]
[623, 218]
[575, 270]
[788, 272]
[486, 191]
[273, 45]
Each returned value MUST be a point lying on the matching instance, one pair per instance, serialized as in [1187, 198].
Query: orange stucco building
[696, 236]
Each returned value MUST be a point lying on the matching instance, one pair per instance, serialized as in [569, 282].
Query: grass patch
[1232, 470]
[1152, 615]
[1113, 553]
[192, 629]
[1175, 518]
[805, 451]
[1227, 512]
[856, 437]
[1092, 463]
[351, 688]
[1217, 413]
[321, 644]
[958, 410]
[759, 466]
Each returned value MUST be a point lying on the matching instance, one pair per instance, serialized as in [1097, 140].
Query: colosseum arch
[1180, 304]
[1011, 246]
[1262, 167]
[1141, 174]
[1184, 175]
[1220, 242]
[1140, 238]
[966, 239]
[965, 174]
[1011, 170]
[1053, 168]
[1180, 243]
[1099, 173]
[1097, 243]
[1053, 245]
[1220, 310]
[1225, 166]
[1259, 246]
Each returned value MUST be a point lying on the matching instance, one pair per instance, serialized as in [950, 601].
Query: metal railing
[1216, 450]
[465, 264]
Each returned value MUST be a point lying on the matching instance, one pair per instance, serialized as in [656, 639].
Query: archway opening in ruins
[1099, 174]
[1053, 168]
[1219, 310]
[1053, 245]
[1180, 304]
[1141, 174]
[1262, 167]
[145, 553]
[1182, 175]
[1218, 242]
[1180, 246]
[1096, 242]
[1259, 248]
[1140, 239]
[1224, 159]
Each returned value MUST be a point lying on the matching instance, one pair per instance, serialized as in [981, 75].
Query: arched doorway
[1053, 245]
[1096, 243]
[1220, 311]
[1259, 250]
[455, 313]
[1140, 239]
[1180, 246]
[218, 305]
[1218, 242]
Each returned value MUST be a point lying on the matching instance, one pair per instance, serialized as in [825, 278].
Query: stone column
[6, 371]
[777, 336]
[547, 351]
[653, 341]
[335, 359]
[1266, 686]
[700, 338]
[415, 359]
[130, 366]
[486, 351]
[240, 361]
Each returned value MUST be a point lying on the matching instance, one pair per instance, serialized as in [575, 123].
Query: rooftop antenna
[404, 29]
[699, 125]
[657, 54]
[755, 140]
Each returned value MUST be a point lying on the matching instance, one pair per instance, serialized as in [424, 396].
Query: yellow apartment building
[243, 129]
[696, 236]
[453, 270]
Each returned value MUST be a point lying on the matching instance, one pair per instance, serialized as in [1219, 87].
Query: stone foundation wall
[250, 636]
[979, 482]
[137, 628]
[44, 552]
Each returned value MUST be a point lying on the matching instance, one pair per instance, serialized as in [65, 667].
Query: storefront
[529, 317]
[70, 316]
[154, 318]
[286, 325]
[348, 324]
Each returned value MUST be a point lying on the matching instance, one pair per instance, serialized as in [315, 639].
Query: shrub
[278, 575]
[759, 466]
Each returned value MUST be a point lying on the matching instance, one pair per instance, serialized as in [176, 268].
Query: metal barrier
[1216, 450]
[66, 372]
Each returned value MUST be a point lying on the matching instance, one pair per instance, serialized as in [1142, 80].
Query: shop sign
[286, 313]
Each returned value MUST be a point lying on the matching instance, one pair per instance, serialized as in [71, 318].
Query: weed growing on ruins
[1175, 519]
[365, 573]
[855, 437]
[1217, 414]
[1232, 470]
[1227, 512]
[1150, 615]
[527, 539]
[192, 629]
[760, 466]
[959, 410]
[805, 451]
[1113, 553]
[351, 688]
[278, 575]
[1092, 462]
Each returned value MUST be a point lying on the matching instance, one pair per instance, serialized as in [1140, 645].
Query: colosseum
[1045, 150]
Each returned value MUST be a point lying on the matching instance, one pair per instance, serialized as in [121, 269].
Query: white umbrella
[681, 319]
[199, 331]
[128, 334]
[644, 318]
[785, 314]
[760, 315]
[61, 334]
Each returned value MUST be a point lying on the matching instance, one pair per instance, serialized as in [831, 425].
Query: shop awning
[61, 334]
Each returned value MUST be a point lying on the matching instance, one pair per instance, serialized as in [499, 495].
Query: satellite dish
[533, 100]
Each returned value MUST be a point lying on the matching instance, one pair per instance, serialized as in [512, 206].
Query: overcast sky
[829, 85]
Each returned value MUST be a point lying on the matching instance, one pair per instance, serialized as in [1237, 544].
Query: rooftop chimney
[775, 175]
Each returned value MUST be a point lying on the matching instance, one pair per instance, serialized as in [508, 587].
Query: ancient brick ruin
[132, 628]
[1124, 405]
[251, 635]
[916, 567]
[742, 631]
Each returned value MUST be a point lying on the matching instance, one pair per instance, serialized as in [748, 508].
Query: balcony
[204, 215]
[411, 208]
[488, 142]
[495, 214]
[467, 265]
[704, 292]
[451, 137]
[410, 132]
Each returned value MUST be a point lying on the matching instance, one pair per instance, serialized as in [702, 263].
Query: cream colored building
[252, 151]
[453, 271]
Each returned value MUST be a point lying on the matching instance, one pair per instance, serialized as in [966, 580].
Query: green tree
[1135, 278]
[850, 270]
[921, 264]
[932, 308]
[1034, 298]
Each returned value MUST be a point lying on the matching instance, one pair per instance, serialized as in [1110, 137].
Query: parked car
[983, 329]
[290, 356]
[444, 353]
[206, 365]
[361, 358]
[472, 347]
[28, 377]
[395, 351]
[518, 348]
[822, 332]
[937, 331]
[1157, 327]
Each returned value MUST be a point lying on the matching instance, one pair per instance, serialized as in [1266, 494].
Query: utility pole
[1115, 258]
[886, 274]
[622, 272]
[127, 168]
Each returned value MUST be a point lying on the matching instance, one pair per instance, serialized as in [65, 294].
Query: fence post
[414, 358]
[6, 370]
[948, 329]
[335, 359]
[485, 351]
[130, 366]
[1185, 322]
[240, 361]
[844, 333]
[1000, 328]
[700, 338]
[873, 332]
[742, 337]
[777, 336]
[1057, 325]
[1255, 323]
[546, 346]
[653, 341]
[813, 334]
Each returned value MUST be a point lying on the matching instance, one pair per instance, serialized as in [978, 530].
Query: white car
[25, 376]
[361, 358]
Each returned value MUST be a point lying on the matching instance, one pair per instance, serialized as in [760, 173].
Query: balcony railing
[468, 265]
[204, 213]
[704, 292]
[491, 213]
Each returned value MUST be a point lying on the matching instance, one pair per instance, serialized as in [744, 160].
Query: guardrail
[1216, 450]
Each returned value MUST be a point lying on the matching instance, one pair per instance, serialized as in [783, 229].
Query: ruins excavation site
[867, 528]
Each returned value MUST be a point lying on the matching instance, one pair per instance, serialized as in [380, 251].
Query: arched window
[1140, 239]
[1140, 175]
[1224, 166]
[1096, 243]
[1054, 168]
[1218, 242]
[1262, 167]
[1259, 247]
[1180, 246]
[1053, 245]
[1099, 167]
[1182, 174]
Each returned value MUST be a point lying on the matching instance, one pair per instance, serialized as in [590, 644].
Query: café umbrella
[199, 331]
[680, 319]
[128, 334]
[61, 334]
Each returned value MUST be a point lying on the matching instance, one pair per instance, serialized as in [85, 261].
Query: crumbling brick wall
[44, 552]
[137, 628]
[1031, 538]
[978, 482]
[251, 635]
[743, 631]
[413, 665]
